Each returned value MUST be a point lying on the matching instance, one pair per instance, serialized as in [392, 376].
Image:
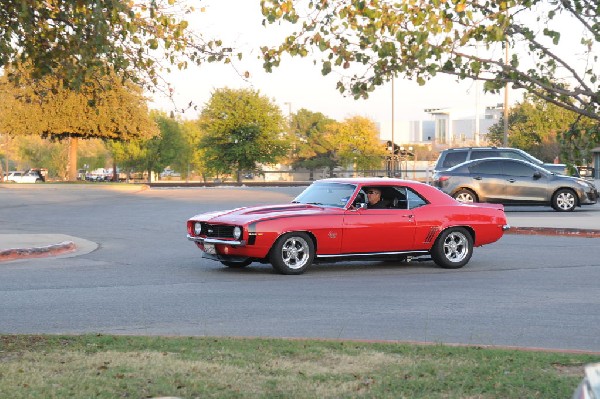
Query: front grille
[218, 230]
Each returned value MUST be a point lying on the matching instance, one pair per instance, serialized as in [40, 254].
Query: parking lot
[144, 277]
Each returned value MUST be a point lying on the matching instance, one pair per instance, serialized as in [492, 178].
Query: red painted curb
[553, 231]
[37, 252]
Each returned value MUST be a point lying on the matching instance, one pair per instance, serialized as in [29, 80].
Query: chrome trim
[240, 243]
[373, 254]
[506, 227]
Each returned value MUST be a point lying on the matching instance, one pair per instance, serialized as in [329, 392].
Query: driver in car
[374, 200]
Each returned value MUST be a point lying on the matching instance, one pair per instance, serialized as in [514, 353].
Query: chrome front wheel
[292, 253]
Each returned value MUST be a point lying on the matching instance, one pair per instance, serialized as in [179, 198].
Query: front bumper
[208, 240]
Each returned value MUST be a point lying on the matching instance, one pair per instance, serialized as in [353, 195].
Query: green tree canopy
[378, 39]
[165, 148]
[577, 143]
[357, 142]
[533, 126]
[80, 41]
[116, 112]
[312, 147]
[241, 129]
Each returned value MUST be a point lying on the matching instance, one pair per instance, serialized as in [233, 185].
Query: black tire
[465, 195]
[453, 248]
[564, 200]
[292, 253]
[236, 265]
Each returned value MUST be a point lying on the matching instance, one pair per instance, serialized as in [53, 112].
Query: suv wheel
[564, 200]
[465, 195]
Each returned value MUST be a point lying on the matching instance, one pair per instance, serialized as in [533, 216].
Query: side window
[513, 155]
[518, 169]
[414, 199]
[487, 168]
[454, 158]
[480, 154]
[397, 198]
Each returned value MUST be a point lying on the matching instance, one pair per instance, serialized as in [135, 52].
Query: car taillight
[442, 178]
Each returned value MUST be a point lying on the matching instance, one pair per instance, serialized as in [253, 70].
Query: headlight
[237, 232]
[197, 228]
[584, 183]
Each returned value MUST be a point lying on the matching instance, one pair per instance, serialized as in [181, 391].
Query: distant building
[454, 128]
[449, 127]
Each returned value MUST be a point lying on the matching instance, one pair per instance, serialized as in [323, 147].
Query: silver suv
[453, 156]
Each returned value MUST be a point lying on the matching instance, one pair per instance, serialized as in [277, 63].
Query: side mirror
[537, 175]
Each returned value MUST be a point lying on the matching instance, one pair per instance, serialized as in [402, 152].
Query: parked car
[330, 221]
[30, 176]
[454, 156]
[512, 181]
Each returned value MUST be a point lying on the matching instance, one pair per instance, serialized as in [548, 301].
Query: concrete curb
[37, 252]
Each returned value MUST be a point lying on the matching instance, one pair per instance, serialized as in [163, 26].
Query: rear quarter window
[454, 158]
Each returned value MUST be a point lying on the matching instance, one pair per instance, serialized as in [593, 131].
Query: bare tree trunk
[115, 176]
[72, 170]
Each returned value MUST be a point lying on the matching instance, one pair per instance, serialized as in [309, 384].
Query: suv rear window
[454, 158]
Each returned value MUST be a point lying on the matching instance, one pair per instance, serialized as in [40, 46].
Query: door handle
[511, 180]
[478, 178]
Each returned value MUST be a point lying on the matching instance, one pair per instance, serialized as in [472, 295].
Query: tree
[577, 143]
[242, 129]
[35, 152]
[165, 148]
[130, 155]
[533, 127]
[194, 156]
[312, 147]
[109, 109]
[81, 41]
[379, 39]
[357, 142]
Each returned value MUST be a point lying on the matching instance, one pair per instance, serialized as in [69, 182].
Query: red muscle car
[330, 221]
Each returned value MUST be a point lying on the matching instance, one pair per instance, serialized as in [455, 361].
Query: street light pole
[393, 156]
[505, 135]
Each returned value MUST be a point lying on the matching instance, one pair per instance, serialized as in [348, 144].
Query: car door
[379, 230]
[525, 183]
[29, 177]
[488, 180]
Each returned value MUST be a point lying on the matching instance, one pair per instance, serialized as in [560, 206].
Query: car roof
[481, 148]
[489, 159]
[424, 189]
[374, 181]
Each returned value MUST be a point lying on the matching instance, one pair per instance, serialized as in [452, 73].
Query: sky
[298, 83]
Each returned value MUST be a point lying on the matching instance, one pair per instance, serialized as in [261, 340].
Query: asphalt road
[144, 277]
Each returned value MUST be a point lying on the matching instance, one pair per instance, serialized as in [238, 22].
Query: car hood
[240, 216]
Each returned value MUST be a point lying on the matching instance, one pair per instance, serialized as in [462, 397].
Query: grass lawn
[103, 366]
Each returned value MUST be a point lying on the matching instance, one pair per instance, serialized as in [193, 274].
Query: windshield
[327, 194]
